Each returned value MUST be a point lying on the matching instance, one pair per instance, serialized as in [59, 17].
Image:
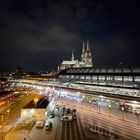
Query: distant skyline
[38, 35]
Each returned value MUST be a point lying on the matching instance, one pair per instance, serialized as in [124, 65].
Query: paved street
[123, 129]
[115, 110]
[15, 111]
[90, 125]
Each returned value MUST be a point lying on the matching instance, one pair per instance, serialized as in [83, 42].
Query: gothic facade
[86, 59]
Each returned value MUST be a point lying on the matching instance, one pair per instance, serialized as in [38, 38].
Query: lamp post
[81, 103]
[138, 112]
[59, 91]
[1, 116]
[8, 110]
[74, 102]
[99, 106]
[36, 100]
[123, 113]
[109, 110]
[53, 89]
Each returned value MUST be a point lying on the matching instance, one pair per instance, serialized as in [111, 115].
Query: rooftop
[42, 103]
[102, 70]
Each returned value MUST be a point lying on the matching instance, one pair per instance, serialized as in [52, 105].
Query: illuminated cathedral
[86, 59]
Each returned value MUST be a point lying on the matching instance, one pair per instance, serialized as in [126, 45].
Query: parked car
[66, 118]
[57, 106]
[64, 109]
[39, 124]
[74, 117]
[74, 110]
[51, 116]
[48, 125]
[68, 111]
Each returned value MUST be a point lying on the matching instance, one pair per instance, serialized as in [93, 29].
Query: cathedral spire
[87, 49]
[72, 56]
[83, 50]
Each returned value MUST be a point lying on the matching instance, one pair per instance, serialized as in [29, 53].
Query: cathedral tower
[86, 56]
[86, 59]
[72, 56]
[83, 53]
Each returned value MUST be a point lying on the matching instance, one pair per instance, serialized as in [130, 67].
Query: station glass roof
[102, 70]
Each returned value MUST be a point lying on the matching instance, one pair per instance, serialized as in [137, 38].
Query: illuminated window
[72, 76]
[77, 77]
[67, 76]
[109, 78]
[94, 77]
[82, 77]
[88, 77]
[128, 78]
[118, 78]
[101, 77]
[137, 78]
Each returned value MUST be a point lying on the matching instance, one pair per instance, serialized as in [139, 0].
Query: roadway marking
[112, 126]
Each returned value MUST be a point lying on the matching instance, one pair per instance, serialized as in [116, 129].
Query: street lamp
[74, 102]
[1, 116]
[36, 100]
[99, 107]
[24, 113]
[138, 112]
[8, 110]
[110, 110]
[123, 113]
[81, 103]
[59, 91]
[53, 89]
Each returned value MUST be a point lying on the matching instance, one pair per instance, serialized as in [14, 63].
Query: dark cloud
[33, 32]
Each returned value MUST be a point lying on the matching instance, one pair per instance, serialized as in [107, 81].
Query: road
[10, 118]
[114, 111]
[90, 125]
[87, 116]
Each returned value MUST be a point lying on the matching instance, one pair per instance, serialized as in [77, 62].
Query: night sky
[39, 34]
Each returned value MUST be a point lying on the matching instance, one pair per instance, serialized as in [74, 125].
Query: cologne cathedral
[86, 59]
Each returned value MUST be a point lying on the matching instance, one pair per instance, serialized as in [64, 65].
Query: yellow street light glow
[32, 111]
[8, 110]
[36, 99]
[24, 113]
